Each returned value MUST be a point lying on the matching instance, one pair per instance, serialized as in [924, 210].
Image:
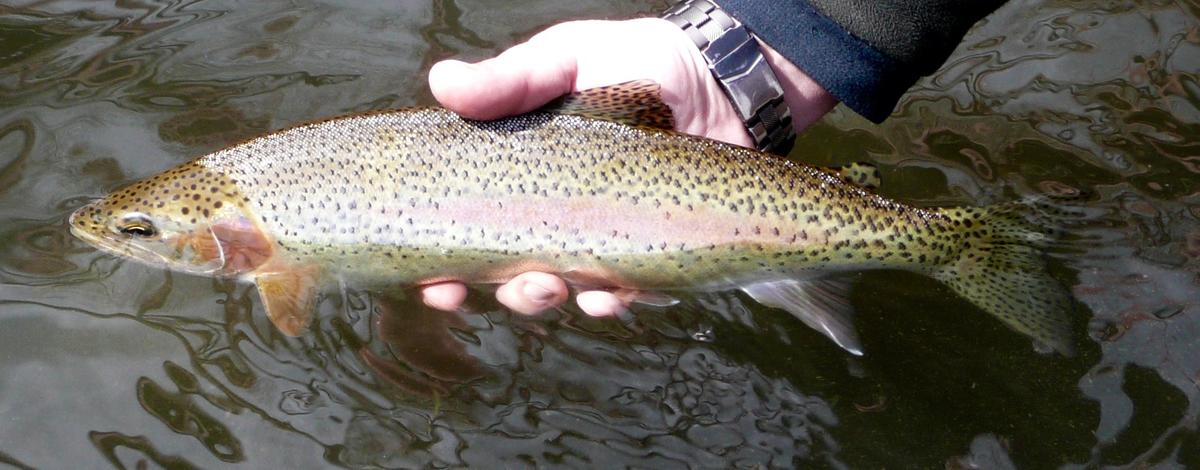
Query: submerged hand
[579, 55]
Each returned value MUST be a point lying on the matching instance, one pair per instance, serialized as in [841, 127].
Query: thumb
[518, 80]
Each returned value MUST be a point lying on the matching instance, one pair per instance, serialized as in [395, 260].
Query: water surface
[103, 361]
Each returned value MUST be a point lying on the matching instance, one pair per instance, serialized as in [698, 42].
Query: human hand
[578, 55]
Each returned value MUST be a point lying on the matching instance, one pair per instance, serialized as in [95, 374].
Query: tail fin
[1000, 269]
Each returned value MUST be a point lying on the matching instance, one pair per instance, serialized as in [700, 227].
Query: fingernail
[466, 67]
[537, 293]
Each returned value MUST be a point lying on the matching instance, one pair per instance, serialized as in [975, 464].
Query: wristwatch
[736, 61]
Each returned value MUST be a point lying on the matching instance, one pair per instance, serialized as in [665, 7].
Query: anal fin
[821, 304]
[288, 298]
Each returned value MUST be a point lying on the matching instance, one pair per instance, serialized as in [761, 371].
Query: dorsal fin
[635, 103]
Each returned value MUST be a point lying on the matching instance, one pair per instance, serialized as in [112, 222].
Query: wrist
[773, 98]
[806, 98]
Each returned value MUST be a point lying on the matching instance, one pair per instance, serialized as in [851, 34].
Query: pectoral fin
[288, 298]
[821, 304]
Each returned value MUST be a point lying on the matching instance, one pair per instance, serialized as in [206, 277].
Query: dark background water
[103, 361]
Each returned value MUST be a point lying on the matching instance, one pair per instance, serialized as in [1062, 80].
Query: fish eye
[137, 225]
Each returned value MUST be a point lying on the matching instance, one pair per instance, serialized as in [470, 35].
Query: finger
[446, 296]
[518, 80]
[533, 292]
[598, 303]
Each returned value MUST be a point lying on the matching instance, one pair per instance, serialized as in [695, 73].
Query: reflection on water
[119, 363]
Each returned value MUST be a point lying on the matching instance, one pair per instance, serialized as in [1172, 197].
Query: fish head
[189, 219]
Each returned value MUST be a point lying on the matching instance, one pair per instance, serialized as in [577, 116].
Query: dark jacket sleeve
[866, 53]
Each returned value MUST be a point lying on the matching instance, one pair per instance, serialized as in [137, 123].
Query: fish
[595, 188]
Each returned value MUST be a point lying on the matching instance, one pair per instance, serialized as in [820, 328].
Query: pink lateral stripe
[597, 217]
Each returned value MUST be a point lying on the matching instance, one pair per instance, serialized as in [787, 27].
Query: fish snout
[86, 218]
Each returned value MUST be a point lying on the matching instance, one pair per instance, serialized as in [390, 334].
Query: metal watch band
[739, 66]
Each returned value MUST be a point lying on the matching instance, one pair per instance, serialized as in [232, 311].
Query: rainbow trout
[595, 189]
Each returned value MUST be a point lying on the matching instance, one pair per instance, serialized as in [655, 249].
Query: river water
[108, 362]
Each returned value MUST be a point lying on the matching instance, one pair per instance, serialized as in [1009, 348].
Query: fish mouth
[135, 252]
[108, 246]
[90, 236]
[84, 235]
